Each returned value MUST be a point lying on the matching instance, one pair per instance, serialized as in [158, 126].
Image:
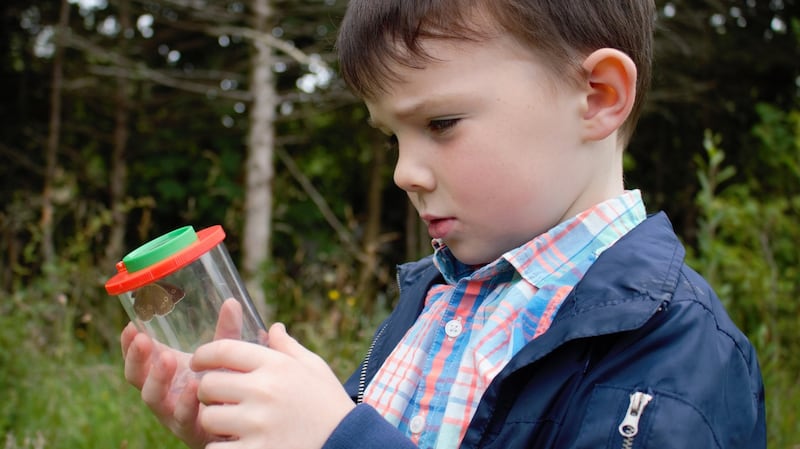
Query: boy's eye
[442, 125]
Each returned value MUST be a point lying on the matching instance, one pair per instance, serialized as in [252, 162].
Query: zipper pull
[630, 424]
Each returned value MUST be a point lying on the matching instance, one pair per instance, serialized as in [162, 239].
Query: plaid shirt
[470, 327]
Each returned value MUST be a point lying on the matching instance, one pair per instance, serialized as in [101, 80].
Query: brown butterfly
[158, 298]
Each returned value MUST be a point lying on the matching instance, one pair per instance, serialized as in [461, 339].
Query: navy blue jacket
[640, 324]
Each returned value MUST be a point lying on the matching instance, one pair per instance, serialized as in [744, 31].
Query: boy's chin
[474, 256]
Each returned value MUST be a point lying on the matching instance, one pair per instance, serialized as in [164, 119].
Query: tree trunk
[118, 174]
[372, 229]
[46, 223]
[260, 169]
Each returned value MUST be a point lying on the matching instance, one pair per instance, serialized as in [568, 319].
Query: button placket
[453, 328]
[417, 424]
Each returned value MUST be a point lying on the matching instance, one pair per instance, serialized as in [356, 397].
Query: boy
[553, 314]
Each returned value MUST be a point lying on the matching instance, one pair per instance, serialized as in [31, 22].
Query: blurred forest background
[121, 120]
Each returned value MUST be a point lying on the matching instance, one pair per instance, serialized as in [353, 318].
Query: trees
[715, 60]
[259, 163]
[160, 110]
[165, 101]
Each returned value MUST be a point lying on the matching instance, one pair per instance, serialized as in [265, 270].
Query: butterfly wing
[143, 304]
[175, 293]
[158, 298]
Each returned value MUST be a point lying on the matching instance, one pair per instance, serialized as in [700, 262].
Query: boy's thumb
[281, 341]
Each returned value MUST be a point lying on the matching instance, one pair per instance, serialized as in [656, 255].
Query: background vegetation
[124, 119]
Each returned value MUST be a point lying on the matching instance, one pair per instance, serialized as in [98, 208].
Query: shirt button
[417, 424]
[453, 328]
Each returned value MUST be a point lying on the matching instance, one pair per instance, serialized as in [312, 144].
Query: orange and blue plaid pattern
[470, 327]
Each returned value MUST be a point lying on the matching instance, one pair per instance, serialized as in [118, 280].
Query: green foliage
[779, 134]
[60, 370]
[57, 393]
[320, 301]
[747, 249]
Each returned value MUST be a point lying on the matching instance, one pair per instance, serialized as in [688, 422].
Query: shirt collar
[581, 238]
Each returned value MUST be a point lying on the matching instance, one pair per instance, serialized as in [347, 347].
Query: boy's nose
[413, 172]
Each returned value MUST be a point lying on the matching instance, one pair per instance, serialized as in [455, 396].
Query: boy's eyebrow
[413, 107]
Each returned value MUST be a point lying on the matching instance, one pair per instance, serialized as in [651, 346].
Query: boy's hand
[282, 396]
[153, 375]
[163, 376]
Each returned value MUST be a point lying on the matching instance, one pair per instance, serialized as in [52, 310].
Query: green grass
[77, 403]
[783, 396]
[80, 400]
[61, 387]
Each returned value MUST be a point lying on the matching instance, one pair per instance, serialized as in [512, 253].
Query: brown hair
[377, 33]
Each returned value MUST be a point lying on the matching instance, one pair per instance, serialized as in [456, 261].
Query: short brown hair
[562, 31]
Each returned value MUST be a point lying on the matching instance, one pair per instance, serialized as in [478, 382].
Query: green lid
[159, 249]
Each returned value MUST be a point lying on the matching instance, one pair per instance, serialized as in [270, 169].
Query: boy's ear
[611, 92]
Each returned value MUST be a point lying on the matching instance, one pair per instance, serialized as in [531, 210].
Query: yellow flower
[334, 295]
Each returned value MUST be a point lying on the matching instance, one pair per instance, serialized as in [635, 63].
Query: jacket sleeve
[364, 428]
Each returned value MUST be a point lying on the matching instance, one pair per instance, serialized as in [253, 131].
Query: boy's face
[490, 146]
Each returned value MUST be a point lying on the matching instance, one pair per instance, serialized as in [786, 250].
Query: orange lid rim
[125, 281]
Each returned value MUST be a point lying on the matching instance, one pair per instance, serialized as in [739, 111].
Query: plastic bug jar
[183, 290]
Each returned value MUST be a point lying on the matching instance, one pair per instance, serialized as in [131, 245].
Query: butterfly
[158, 298]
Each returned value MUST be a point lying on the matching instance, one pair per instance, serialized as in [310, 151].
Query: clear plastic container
[183, 290]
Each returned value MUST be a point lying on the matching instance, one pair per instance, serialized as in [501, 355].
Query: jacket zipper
[630, 424]
[362, 377]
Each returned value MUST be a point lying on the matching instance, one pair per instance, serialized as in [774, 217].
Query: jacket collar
[619, 292]
[622, 290]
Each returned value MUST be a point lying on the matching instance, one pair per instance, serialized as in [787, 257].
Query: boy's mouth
[438, 228]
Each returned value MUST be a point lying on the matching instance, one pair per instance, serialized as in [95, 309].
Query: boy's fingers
[263, 337]
[235, 355]
[187, 406]
[126, 338]
[137, 360]
[156, 387]
[220, 420]
[222, 387]
[281, 341]
[229, 323]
